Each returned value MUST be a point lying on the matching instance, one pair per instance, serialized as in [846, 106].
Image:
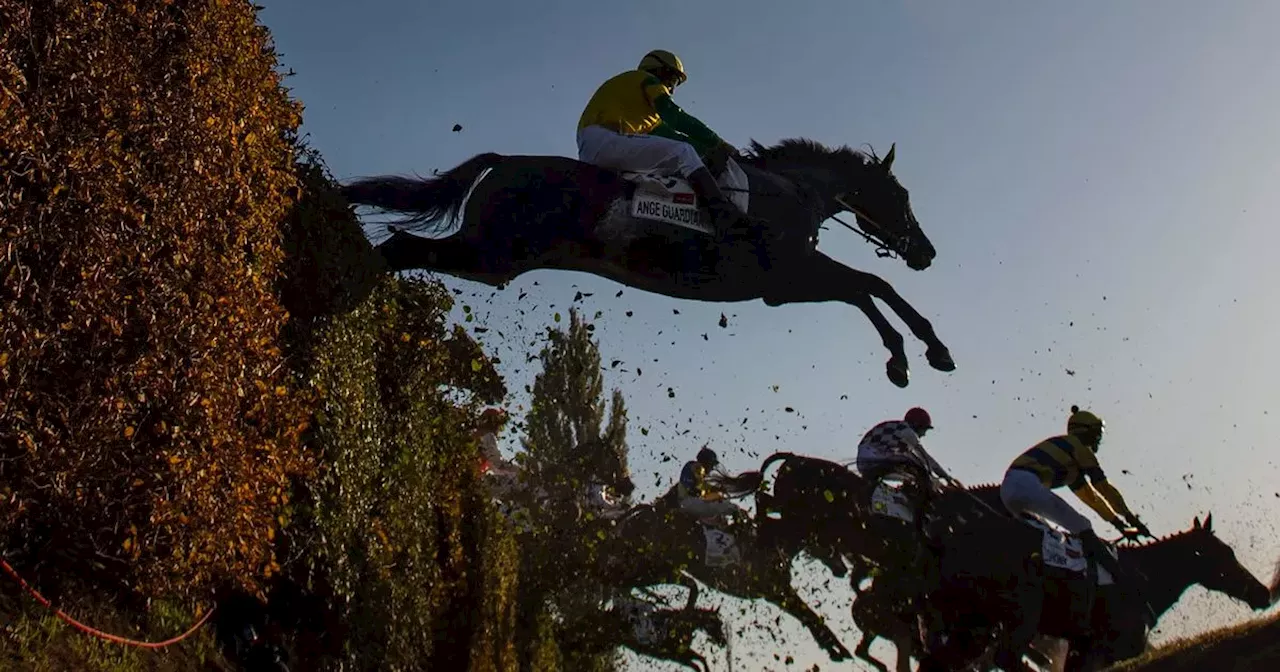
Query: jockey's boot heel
[1095, 550]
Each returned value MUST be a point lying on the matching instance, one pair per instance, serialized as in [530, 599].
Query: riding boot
[725, 215]
[1095, 550]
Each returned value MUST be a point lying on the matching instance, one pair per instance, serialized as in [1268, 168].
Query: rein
[883, 251]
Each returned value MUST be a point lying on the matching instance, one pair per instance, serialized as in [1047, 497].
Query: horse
[878, 615]
[495, 217]
[829, 510]
[665, 634]
[653, 545]
[1017, 594]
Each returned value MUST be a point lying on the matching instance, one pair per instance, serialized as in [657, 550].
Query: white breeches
[1023, 493]
[600, 146]
[701, 508]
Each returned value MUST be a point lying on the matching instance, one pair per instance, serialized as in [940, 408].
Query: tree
[568, 406]
[566, 420]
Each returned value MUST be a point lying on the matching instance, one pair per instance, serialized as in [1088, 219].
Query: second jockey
[893, 447]
[695, 495]
[631, 123]
[1070, 460]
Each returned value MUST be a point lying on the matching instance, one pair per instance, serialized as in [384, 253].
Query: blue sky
[1097, 178]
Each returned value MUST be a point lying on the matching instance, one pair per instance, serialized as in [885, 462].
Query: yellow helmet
[659, 60]
[1085, 425]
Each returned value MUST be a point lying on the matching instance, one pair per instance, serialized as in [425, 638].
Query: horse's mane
[983, 487]
[1172, 536]
[808, 151]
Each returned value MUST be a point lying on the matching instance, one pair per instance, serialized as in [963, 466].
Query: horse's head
[882, 207]
[848, 180]
[1215, 566]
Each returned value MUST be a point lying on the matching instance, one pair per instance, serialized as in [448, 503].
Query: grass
[35, 640]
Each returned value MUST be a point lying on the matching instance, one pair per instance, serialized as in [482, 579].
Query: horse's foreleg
[938, 354]
[822, 279]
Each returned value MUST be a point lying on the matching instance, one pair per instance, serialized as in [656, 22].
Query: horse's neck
[809, 184]
[1166, 576]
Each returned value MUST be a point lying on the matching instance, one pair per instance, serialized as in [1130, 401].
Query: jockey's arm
[664, 130]
[696, 133]
[935, 466]
[927, 460]
[1114, 498]
[1091, 470]
[1089, 496]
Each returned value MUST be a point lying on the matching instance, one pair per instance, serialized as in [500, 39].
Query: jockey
[491, 461]
[1070, 460]
[631, 123]
[893, 447]
[695, 496]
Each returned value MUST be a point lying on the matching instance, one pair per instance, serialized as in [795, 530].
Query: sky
[1097, 178]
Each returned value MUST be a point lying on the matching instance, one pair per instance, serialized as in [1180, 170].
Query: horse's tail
[431, 203]
[776, 457]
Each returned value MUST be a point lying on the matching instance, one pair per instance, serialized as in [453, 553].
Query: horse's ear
[1208, 523]
[887, 161]
[1195, 523]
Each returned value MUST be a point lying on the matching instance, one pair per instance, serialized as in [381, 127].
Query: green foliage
[35, 640]
[396, 526]
[148, 423]
[568, 406]
[567, 416]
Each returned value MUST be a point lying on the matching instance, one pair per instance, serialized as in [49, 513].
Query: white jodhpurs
[1023, 493]
[701, 508]
[600, 146]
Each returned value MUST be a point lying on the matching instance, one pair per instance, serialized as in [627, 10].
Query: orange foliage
[148, 424]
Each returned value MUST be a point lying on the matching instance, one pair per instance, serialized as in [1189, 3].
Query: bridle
[877, 237]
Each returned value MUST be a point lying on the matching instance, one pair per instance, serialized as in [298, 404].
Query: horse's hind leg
[790, 602]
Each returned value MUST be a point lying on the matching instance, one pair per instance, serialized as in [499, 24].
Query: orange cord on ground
[94, 631]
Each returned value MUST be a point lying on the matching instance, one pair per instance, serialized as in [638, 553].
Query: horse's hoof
[940, 358]
[897, 371]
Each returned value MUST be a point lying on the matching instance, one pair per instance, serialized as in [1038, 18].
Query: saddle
[1063, 556]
